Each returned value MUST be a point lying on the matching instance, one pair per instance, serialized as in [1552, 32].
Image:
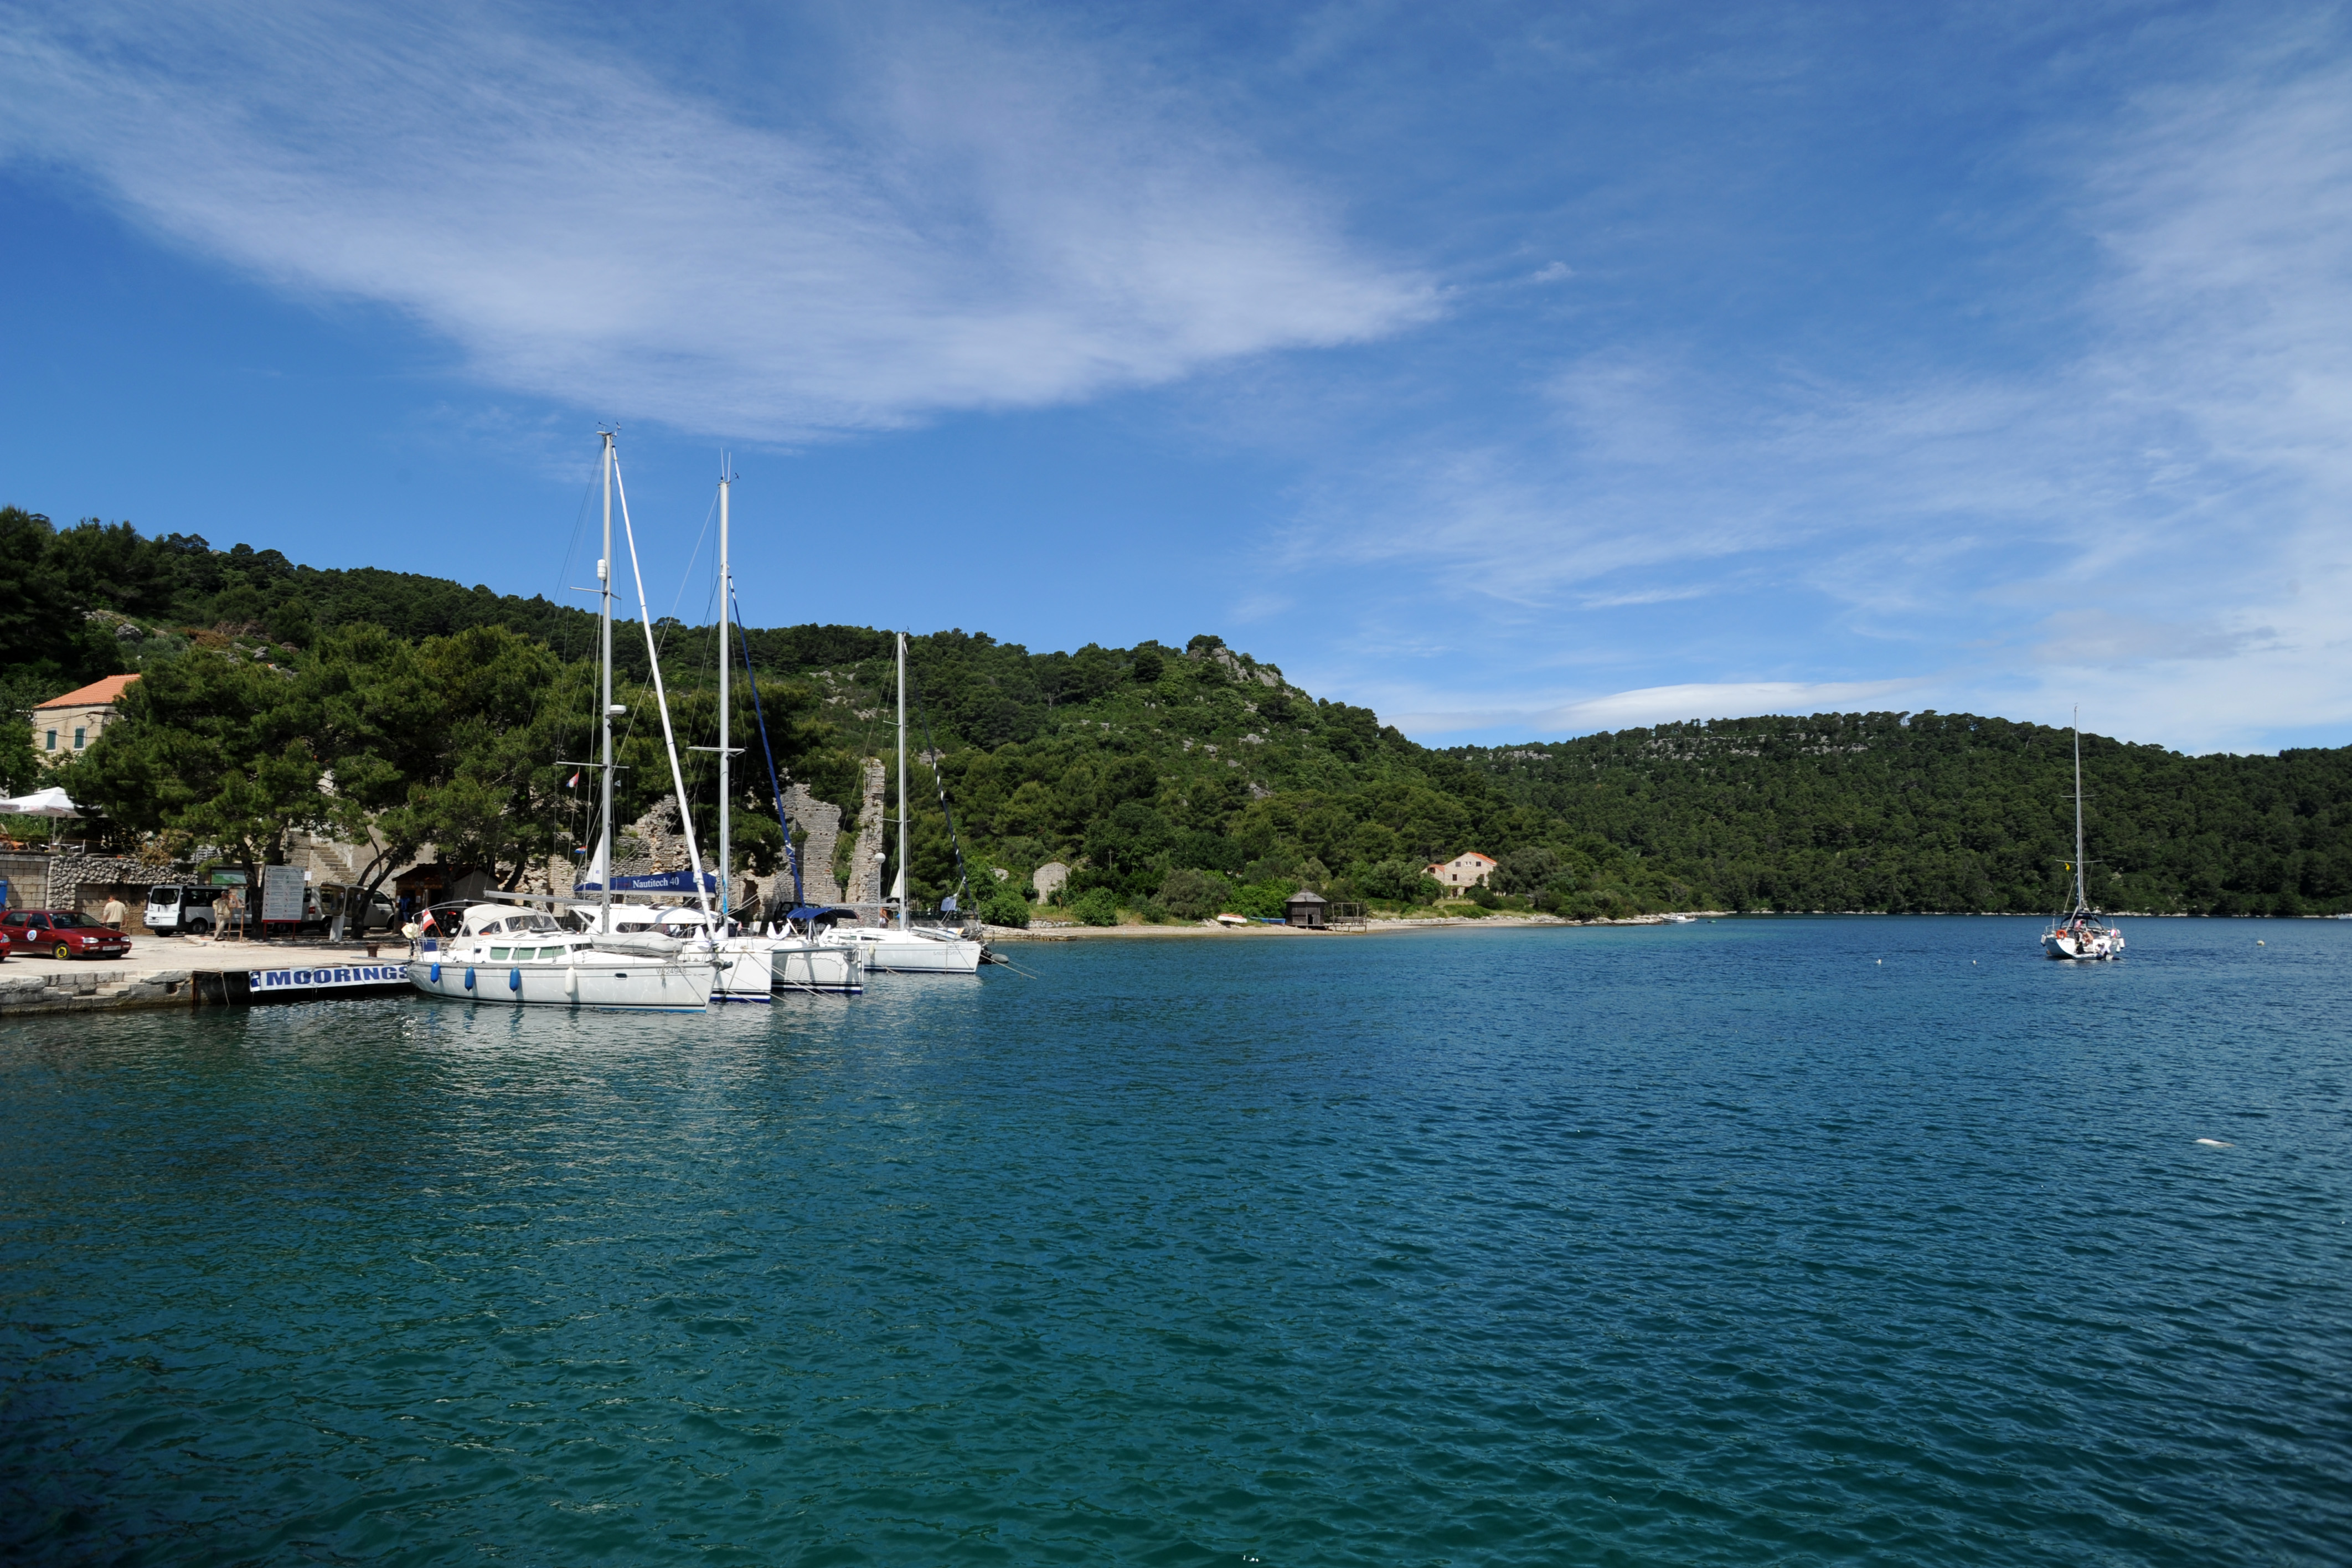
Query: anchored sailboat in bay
[2084, 933]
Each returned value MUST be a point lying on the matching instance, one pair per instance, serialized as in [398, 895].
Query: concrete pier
[182, 972]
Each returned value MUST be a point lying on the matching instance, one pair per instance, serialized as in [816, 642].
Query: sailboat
[904, 947]
[490, 952]
[2084, 933]
[758, 964]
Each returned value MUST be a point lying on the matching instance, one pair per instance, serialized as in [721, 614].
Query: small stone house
[1465, 870]
[64, 726]
[1306, 908]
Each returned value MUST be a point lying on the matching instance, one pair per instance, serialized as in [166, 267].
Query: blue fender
[470, 980]
[436, 975]
[514, 979]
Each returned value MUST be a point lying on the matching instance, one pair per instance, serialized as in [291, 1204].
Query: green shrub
[1262, 900]
[1095, 907]
[1193, 895]
[1398, 879]
[1005, 907]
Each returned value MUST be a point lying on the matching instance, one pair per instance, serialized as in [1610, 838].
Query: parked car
[61, 933]
[183, 906]
[363, 912]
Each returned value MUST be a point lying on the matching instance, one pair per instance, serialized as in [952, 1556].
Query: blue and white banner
[261, 980]
[662, 882]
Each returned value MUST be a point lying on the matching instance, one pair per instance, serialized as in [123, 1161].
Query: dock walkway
[184, 972]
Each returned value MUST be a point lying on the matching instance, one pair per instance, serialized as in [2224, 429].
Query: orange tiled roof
[96, 694]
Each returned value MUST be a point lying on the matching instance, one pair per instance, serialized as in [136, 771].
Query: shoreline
[993, 934]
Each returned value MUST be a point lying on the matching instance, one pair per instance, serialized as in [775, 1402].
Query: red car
[61, 933]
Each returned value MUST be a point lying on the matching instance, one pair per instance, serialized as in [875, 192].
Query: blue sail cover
[662, 882]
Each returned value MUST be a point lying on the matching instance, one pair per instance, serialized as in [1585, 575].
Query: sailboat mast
[604, 653]
[726, 658]
[2080, 901]
[661, 702]
[902, 781]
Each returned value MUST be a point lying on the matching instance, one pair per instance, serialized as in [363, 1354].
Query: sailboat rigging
[2084, 933]
[499, 952]
[905, 947]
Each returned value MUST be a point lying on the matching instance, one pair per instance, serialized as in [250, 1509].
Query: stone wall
[83, 882]
[865, 870]
[822, 819]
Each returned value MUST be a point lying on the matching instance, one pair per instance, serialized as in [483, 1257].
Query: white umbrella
[50, 802]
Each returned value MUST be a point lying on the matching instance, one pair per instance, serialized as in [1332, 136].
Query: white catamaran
[2084, 933]
[498, 952]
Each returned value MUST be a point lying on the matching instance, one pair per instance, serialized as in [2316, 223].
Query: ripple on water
[1720, 1244]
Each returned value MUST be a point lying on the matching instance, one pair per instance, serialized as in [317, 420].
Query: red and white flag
[573, 783]
[427, 924]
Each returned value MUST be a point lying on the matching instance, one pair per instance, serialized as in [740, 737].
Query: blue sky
[1518, 371]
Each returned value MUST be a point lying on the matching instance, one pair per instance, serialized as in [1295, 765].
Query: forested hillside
[1176, 780]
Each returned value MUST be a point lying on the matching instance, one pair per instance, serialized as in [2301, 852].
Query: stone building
[1465, 870]
[65, 725]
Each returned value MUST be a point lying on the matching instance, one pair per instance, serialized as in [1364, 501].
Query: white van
[186, 907]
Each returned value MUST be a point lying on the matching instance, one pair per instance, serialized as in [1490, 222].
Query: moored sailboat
[2084, 933]
[495, 953]
[904, 947]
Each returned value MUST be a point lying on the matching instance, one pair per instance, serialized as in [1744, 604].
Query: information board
[282, 893]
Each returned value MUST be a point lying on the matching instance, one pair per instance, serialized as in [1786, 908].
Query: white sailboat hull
[600, 980]
[890, 951]
[2087, 946]
[747, 972]
[816, 966]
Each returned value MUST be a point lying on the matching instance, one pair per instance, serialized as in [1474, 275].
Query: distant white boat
[2085, 933]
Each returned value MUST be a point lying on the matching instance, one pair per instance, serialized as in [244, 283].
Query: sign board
[228, 880]
[338, 977]
[282, 893]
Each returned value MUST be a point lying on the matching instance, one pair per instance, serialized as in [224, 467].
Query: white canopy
[50, 802]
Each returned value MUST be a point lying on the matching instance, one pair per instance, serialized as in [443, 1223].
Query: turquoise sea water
[1874, 1240]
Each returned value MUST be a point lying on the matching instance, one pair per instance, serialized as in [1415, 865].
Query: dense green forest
[1177, 781]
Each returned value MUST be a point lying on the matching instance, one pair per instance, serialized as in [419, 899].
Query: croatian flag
[427, 925]
[573, 783]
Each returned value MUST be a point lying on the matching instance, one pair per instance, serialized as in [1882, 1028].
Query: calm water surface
[1764, 1241]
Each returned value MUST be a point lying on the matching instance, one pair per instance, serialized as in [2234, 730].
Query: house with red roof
[1465, 870]
[65, 726]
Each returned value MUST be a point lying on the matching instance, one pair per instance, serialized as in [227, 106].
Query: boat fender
[470, 980]
[436, 975]
[514, 979]
[572, 983]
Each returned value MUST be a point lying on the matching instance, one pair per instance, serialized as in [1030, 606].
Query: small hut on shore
[1306, 909]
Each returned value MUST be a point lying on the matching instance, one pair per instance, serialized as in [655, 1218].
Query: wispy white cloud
[2156, 521]
[983, 220]
[1655, 705]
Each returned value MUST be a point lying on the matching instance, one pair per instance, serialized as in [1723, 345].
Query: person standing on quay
[111, 916]
[224, 907]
